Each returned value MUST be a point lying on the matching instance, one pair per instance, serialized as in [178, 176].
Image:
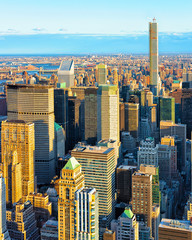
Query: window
[67, 193]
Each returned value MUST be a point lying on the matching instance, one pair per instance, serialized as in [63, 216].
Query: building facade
[35, 103]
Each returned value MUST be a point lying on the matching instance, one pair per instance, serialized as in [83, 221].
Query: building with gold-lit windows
[71, 180]
[18, 145]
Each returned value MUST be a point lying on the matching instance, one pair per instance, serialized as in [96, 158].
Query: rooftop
[173, 224]
[127, 213]
[127, 167]
[66, 65]
[72, 164]
[92, 149]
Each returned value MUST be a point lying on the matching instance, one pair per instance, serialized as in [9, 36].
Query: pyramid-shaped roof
[71, 164]
[127, 213]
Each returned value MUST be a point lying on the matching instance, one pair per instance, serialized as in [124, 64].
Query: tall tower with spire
[3, 228]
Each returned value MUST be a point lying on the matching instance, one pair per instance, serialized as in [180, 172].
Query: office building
[112, 144]
[145, 130]
[147, 153]
[98, 167]
[144, 232]
[164, 160]
[167, 109]
[142, 197]
[35, 103]
[101, 74]
[124, 182]
[41, 207]
[73, 117]
[59, 141]
[70, 181]
[49, 231]
[154, 171]
[186, 110]
[170, 141]
[121, 116]
[61, 109]
[175, 229]
[132, 119]
[155, 221]
[3, 228]
[79, 92]
[91, 115]
[108, 112]
[126, 227]
[66, 73]
[86, 221]
[19, 136]
[3, 105]
[21, 222]
[128, 142]
[168, 128]
[12, 172]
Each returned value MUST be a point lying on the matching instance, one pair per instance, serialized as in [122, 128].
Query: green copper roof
[72, 164]
[127, 213]
[176, 81]
[57, 127]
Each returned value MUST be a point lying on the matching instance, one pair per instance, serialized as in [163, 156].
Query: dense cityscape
[96, 146]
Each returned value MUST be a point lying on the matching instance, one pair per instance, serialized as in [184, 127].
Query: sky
[77, 27]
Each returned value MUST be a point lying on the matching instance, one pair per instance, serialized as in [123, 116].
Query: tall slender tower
[3, 228]
[101, 74]
[72, 179]
[153, 51]
[108, 112]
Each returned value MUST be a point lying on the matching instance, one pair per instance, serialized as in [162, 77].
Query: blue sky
[60, 26]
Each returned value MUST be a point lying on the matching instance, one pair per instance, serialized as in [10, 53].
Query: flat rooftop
[35, 86]
[92, 149]
[126, 167]
[173, 224]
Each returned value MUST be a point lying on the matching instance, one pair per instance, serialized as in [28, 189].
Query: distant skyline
[46, 26]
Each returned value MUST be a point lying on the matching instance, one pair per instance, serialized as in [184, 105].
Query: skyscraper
[70, 181]
[153, 51]
[74, 126]
[12, 173]
[35, 103]
[91, 115]
[66, 73]
[132, 119]
[154, 171]
[101, 74]
[86, 221]
[142, 197]
[98, 166]
[126, 226]
[168, 128]
[167, 109]
[147, 153]
[61, 109]
[3, 228]
[108, 112]
[19, 136]
[124, 182]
